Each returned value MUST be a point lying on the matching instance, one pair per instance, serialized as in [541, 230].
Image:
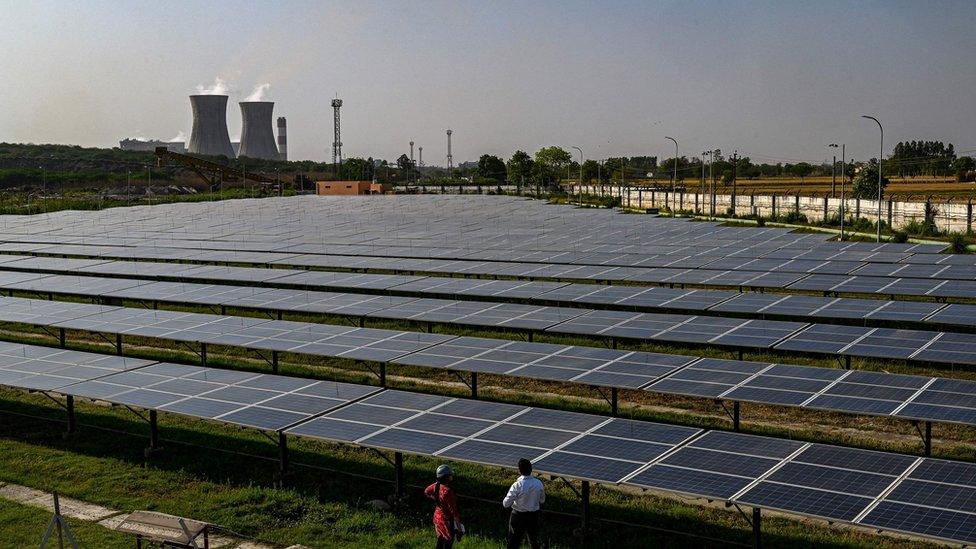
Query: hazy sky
[776, 80]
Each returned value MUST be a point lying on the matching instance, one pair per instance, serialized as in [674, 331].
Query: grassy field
[23, 526]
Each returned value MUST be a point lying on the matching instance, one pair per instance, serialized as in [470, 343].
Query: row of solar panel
[758, 248]
[907, 397]
[621, 297]
[887, 491]
[814, 278]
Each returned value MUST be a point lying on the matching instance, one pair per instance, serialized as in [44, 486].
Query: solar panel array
[496, 237]
[224, 292]
[908, 397]
[516, 238]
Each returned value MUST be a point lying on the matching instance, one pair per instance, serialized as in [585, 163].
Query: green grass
[23, 526]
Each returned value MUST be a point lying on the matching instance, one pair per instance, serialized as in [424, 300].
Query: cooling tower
[282, 139]
[257, 134]
[209, 135]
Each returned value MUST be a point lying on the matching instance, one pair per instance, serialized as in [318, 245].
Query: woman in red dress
[447, 519]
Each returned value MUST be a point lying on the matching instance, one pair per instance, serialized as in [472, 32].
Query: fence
[947, 216]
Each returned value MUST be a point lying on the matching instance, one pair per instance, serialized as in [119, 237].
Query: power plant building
[209, 135]
[150, 145]
[282, 139]
[257, 133]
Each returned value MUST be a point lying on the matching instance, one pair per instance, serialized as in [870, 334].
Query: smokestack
[282, 139]
[209, 135]
[257, 137]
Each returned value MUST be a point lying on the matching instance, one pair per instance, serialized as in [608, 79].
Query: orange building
[340, 188]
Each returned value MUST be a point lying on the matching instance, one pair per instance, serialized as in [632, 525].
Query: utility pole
[833, 172]
[148, 168]
[674, 177]
[701, 188]
[735, 161]
[843, 177]
[880, 171]
[580, 191]
[711, 175]
[623, 181]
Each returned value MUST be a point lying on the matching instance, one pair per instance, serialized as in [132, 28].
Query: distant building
[149, 145]
[236, 145]
[350, 188]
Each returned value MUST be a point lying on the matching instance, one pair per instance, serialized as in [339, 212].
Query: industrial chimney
[257, 136]
[209, 134]
[282, 139]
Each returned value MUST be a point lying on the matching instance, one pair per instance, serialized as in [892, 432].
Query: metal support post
[153, 434]
[398, 476]
[118, 344]
[274, 361]
[69, 405]
[203, 354]
[735, 415]
[585, 497]
[62, 340]
[928, 439]
[383, 374]
[613, 401]
[283, 464]
[474, 384]
[757, 527]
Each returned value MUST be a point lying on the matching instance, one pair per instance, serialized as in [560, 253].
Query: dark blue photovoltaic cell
[689, 481]
[938, 523]
[806, 501]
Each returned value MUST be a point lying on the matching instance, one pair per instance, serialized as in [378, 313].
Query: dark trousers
[444, 543]
[522, 525]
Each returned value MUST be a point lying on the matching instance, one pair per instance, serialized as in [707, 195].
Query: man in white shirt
[524, 498]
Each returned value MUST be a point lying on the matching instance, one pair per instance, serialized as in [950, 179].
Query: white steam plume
[259, 91]
[180, 137]
[219, 87]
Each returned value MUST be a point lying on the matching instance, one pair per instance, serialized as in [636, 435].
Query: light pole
[149, 170]
[674, 178]
[701, 188]
[843, 177]
[580, 191]
[880, 157]
[833, 171]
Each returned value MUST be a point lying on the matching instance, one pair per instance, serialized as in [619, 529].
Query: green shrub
[958, 243]
[900, 237]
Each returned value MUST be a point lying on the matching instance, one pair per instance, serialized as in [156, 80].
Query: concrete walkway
[103, 516]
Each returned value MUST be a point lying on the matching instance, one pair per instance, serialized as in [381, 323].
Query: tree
[801, 169]
[964, 166]
[356, 169]
[520, 167]
[912, 158]
[865, 183]
[591, 170]
[491, 167]
[667, 167]
[550, 162]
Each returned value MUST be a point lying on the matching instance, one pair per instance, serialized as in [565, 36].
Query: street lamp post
[674, 178]
[580, 183]
[833, 172]
[701, 188]
[843, 180]
[880, 160]
[843, 176]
